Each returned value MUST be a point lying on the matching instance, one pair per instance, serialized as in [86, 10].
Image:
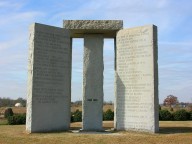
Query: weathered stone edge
[93, 24]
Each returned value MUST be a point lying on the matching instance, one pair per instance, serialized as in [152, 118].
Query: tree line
[7, 102]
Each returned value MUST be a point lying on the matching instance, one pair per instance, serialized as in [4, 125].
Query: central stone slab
[108, 28]
[93, 82]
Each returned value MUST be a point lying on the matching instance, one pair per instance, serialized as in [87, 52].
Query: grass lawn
[3, 121]
[171, 132]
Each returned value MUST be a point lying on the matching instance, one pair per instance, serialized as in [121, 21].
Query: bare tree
[171, 100]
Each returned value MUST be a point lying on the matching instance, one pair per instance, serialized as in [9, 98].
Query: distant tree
[180, 115]
[107, 103]
[78, 103]
[108, 115]
[165, 115]
[8, 112]
[76, 116]
[6, 102]
[189, 107]
[171, 109]
[170, 100]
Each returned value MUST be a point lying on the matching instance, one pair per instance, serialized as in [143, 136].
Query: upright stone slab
[137, 79]
[93, 83]
[49, 79]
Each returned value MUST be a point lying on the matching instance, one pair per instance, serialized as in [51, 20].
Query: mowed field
[170, 133]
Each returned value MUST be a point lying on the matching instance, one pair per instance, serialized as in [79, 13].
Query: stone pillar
[93, 82]
[49, 79]
[137, 79]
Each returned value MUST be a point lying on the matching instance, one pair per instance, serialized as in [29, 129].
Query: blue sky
[173, 18]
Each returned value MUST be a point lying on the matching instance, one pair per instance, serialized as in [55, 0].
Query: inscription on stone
[92, 100]
[49, 79]
[51, 58]
[49, 76]
[135, 78]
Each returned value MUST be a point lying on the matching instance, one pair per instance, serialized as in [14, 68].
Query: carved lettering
[135, 78]
[51, 64]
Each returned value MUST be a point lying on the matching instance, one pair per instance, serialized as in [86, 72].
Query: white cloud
[171, 17]
[7, 4]
[12, 19]
[9, 44]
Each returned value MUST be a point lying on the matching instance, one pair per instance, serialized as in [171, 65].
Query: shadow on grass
[75, 128]
[174, 130]
[78, 128]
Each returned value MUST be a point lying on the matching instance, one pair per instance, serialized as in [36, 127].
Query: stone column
[93, 82]
[49, 79]
[136, 82]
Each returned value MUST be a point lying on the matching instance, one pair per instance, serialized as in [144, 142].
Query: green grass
[171, 132]
[3, 121]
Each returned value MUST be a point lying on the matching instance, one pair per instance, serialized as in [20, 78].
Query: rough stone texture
[49, 79]
[93, 83]
[49, 76]
[137, 79]
[108, 28]
[93, 24]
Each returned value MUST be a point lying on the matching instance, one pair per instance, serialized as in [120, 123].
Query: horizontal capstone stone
[80, 27]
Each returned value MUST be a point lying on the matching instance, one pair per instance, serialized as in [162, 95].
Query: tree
[108, 115]
[76, 116]
[6, 102]
[8, 112]
[170, 100]
[180, 115]
[165, 115]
